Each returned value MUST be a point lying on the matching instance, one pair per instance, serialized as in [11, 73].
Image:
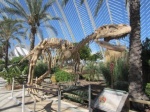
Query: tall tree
[34, 15]
[1, 47]
[9, 29]
[135, 62]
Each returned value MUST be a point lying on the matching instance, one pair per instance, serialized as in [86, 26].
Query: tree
[1, 47]
[35, 14]
[145, 60]
[85, 52]
[135, 49]
[94, 57]
[9, 29]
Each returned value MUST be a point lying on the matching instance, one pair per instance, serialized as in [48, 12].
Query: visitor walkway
[9, 104]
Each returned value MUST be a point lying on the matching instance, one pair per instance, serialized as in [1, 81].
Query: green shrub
[147, 89]
[121, 85]
[55, 69]
[93, 71]
[12, 72]
[2, 62]
[40, 69]
[16, 60]
[120, 73]
[79, 96]
[1, 65]
[22, 65]
[25, 70]
[106, 72]
[121, 70]
[62, 76]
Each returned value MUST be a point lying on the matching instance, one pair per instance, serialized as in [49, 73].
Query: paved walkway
[8, 104]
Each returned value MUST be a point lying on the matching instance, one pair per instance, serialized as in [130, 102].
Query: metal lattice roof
[79, 20]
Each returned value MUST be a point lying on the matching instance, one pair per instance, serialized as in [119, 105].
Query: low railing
[137, 101]
[59, 91]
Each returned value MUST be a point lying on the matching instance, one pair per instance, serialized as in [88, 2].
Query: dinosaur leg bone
[33, 61]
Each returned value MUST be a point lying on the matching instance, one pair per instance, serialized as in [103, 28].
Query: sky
[78, 27]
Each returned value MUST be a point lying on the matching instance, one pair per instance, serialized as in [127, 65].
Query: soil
[9, 86]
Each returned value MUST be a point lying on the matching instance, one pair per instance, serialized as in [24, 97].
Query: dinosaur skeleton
[66, 50]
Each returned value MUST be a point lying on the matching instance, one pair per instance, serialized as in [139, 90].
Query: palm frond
[17, 6]
[30, 5]
[52, 28]
[127, 6]
[16, 38]
[64, 2]
[81, 2]
[11, 27]
[98, 6]
[39, 5]
[48, 16]
[12, 11]
[40, 33]
[127, 2]
[46, 6]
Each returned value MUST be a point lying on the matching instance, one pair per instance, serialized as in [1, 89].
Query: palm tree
[35, 14]
[1, 47]
[135, 62]
[9, 29]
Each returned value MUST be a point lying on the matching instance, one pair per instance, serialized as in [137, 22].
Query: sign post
[112, 75]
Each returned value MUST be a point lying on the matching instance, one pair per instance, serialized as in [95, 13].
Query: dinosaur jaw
[111, 47]
[110, 32]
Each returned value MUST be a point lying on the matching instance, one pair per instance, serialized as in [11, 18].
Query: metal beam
[66, 21]
[82, 25]
[92, 21]
[61, 26]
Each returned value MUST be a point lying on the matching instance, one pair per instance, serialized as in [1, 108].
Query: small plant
[94, 73]
[79, 96]
[120, 73]
[40, 69]
[16, 60]
[2, 62]
[62, 76]
[12, 72]
[147, 89]
[1, 65]
[106, 72]
[22, 65]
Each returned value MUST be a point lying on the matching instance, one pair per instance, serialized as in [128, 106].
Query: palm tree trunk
[6, 55]
[135, 62]
[32, 38]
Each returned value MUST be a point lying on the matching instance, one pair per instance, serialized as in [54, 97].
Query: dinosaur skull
[113, 31]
